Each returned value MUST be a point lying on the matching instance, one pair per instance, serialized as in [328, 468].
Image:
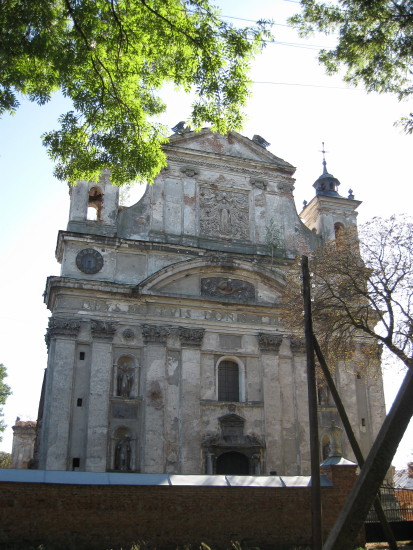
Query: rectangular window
[82, 356]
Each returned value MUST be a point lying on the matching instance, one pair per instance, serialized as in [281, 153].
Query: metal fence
[397, 505]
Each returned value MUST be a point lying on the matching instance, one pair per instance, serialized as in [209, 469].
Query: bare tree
[362, 288]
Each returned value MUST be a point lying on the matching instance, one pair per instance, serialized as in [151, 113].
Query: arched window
[95, 204]
[228, 381]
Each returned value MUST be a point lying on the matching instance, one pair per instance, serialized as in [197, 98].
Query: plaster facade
[167, 351]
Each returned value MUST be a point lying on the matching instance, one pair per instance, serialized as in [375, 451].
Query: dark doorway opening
[232, 463]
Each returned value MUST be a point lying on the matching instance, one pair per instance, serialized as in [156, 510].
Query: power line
[304, 85]
[295, 45]
[252, 20]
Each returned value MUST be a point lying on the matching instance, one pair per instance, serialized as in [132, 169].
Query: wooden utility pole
[312, 409]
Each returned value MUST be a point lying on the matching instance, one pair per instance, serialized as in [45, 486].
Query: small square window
[79, 401]
[82, 356]
[75, 463]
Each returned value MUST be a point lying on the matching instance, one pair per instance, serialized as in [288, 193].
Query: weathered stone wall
[113, 516]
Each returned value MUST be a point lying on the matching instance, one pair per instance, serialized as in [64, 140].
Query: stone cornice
[177, 151]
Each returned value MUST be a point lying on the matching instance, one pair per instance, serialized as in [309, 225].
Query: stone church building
[166, 346]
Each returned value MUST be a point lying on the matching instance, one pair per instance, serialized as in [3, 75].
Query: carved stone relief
[269, 342]
[191, 337]
[189, 171]
[285, 187]
[103, 330]
[224, 214]
[61, 327]
[128, 334]
[258, 183]
[154, 334]
[297, 345]
[224, 286]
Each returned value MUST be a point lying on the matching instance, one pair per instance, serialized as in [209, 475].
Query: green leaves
[374, 42]
[5, 391]
[111, 58]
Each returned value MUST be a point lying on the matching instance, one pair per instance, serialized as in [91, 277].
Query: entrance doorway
[232, 463]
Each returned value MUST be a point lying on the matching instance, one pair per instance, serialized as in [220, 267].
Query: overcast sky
[294, 106]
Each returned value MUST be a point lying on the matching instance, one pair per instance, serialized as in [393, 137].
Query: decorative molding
[62, 327]
[224, 286]
[269, 342]
[102, 330]
[285, 187]
[224, 214]
[191, 337]
[209, 164]
[297, 345]
[154, 334]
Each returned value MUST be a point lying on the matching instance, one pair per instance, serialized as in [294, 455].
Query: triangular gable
[231, 144]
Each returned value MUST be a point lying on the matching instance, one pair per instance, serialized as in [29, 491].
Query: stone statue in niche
[224, 214]
[123, 455]
[125, 376]
[125, 382]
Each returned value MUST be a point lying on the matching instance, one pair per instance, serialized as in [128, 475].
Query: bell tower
[94, 207]
[328, 212]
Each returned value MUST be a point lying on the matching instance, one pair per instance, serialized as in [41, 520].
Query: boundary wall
[81, 510]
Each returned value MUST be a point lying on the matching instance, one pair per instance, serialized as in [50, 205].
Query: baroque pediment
[213, 279]
[231, 145]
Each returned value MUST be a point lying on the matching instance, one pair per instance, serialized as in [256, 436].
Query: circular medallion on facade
[89, 261]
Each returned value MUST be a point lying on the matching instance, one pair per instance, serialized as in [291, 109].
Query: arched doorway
[232, 463]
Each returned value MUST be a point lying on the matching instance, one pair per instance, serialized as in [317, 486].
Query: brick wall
[114, 516]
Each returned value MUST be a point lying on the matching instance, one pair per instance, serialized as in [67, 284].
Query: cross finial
[324, 159]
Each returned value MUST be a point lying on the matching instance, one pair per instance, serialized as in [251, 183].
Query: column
[100, 381]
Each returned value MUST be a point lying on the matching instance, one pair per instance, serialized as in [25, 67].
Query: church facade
[166, 346]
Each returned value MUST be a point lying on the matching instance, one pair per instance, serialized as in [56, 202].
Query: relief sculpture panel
[224, 214]
[224, 286]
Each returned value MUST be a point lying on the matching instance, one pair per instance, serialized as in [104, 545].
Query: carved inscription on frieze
[224, 214]
[224, 286]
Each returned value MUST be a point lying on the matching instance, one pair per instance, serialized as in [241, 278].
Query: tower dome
[326, 184]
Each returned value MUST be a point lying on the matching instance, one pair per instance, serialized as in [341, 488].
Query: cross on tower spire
[324, 159]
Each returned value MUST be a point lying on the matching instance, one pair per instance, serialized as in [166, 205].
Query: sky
[294, 105]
